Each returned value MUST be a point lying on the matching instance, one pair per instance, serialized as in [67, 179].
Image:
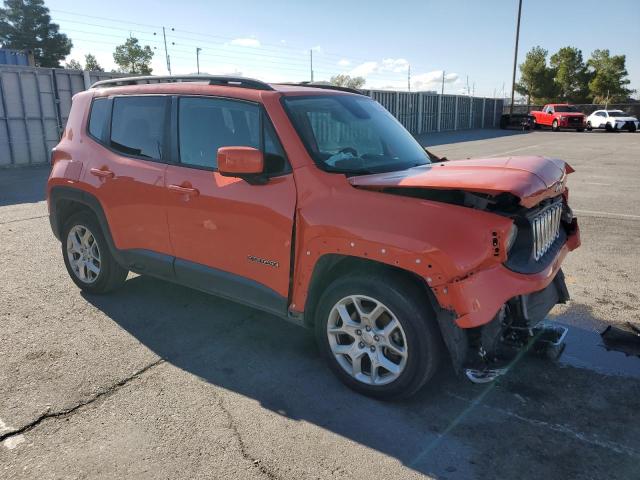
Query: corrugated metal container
[13, 57]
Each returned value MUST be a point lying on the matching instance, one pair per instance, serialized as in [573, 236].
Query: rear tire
[632, 128]
[87, 256]
[412, 350]
[589, 127]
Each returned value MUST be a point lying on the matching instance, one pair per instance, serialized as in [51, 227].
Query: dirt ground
[159, 381]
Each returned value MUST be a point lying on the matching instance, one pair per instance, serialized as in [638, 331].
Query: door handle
[183, 190]
[102, 173]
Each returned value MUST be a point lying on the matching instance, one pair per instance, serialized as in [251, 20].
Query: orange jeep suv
[314, 204]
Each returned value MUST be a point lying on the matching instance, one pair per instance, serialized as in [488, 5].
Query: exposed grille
[546, 228]
[575, 120]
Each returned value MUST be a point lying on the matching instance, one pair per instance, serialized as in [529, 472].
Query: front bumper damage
[490, 316]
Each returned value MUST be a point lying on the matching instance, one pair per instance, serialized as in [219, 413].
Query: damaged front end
[493, 305]
[518, 327]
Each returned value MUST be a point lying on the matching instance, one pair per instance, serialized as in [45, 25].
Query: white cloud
[246, 42]
[364, 69]
[345, 62]
[395, 65]
[432, 80]
[387, 65]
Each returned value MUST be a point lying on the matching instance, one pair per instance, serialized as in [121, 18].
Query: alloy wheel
[367, 340]
[83, 253]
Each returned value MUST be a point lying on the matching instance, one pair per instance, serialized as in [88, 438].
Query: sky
[471, 41]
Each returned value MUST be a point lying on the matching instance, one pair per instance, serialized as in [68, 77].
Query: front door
[230, 237]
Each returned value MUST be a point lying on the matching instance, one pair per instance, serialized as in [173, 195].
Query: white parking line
[517, 150]
[592, 213]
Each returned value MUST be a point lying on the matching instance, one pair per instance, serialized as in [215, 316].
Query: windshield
[353, 134]
[566, 108]
[617, 113]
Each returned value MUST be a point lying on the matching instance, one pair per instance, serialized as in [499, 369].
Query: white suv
[612, 120]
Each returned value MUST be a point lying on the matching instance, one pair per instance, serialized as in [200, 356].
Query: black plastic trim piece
[220, 80]
[147, 262]
[230, 286]
[324, 86]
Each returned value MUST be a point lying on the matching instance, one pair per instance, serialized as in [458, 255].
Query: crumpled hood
[531, 178]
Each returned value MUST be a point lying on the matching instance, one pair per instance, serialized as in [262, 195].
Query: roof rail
[325, 85]
[212, 79]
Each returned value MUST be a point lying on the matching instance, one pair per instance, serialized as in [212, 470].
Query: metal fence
[34, 107]
[424, 112]
[35, 104]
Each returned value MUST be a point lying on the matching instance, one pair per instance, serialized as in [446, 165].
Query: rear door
[127, 170]
[230, 237]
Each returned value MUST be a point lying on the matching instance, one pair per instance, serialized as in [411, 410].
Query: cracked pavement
[159, 381]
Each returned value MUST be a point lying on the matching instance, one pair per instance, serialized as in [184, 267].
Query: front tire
[608, 127]
[554, 126]
[87, 256]
[379, 337]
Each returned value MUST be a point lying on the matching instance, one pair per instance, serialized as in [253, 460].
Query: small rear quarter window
[98, 118]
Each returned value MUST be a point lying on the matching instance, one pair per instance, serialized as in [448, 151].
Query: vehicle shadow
[443, 431]
[458, 136]
[23, 185]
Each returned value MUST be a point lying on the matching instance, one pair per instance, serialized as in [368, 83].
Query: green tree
[26, 25]
[131, 57]
[91, 63]
[536, 78]
[73, 65]
[609, 77]
[570, 75]
[342, 80]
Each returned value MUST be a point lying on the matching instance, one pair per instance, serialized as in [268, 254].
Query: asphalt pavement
[159, 381]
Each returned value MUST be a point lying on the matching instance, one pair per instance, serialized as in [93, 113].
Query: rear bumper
[477, 298]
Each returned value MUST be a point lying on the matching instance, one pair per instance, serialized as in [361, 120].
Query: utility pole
[198, 58]
[515, 58]
[468, 90]
[442, 91]
[166, 53]
[311, 63]
[409, 78]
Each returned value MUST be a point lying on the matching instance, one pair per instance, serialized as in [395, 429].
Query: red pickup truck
[559, 115]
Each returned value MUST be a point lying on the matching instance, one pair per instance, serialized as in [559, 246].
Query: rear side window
[98, 118]
[137, 126]
[206, 124]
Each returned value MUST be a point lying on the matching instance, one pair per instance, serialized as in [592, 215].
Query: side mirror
[243, 162]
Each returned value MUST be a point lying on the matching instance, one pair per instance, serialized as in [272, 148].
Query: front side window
[137, 126]
[353, 134]
[99, 117]
[206, 124]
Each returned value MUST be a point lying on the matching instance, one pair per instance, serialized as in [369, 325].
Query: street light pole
[166, 52]
[198, 58]
[515, 58]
